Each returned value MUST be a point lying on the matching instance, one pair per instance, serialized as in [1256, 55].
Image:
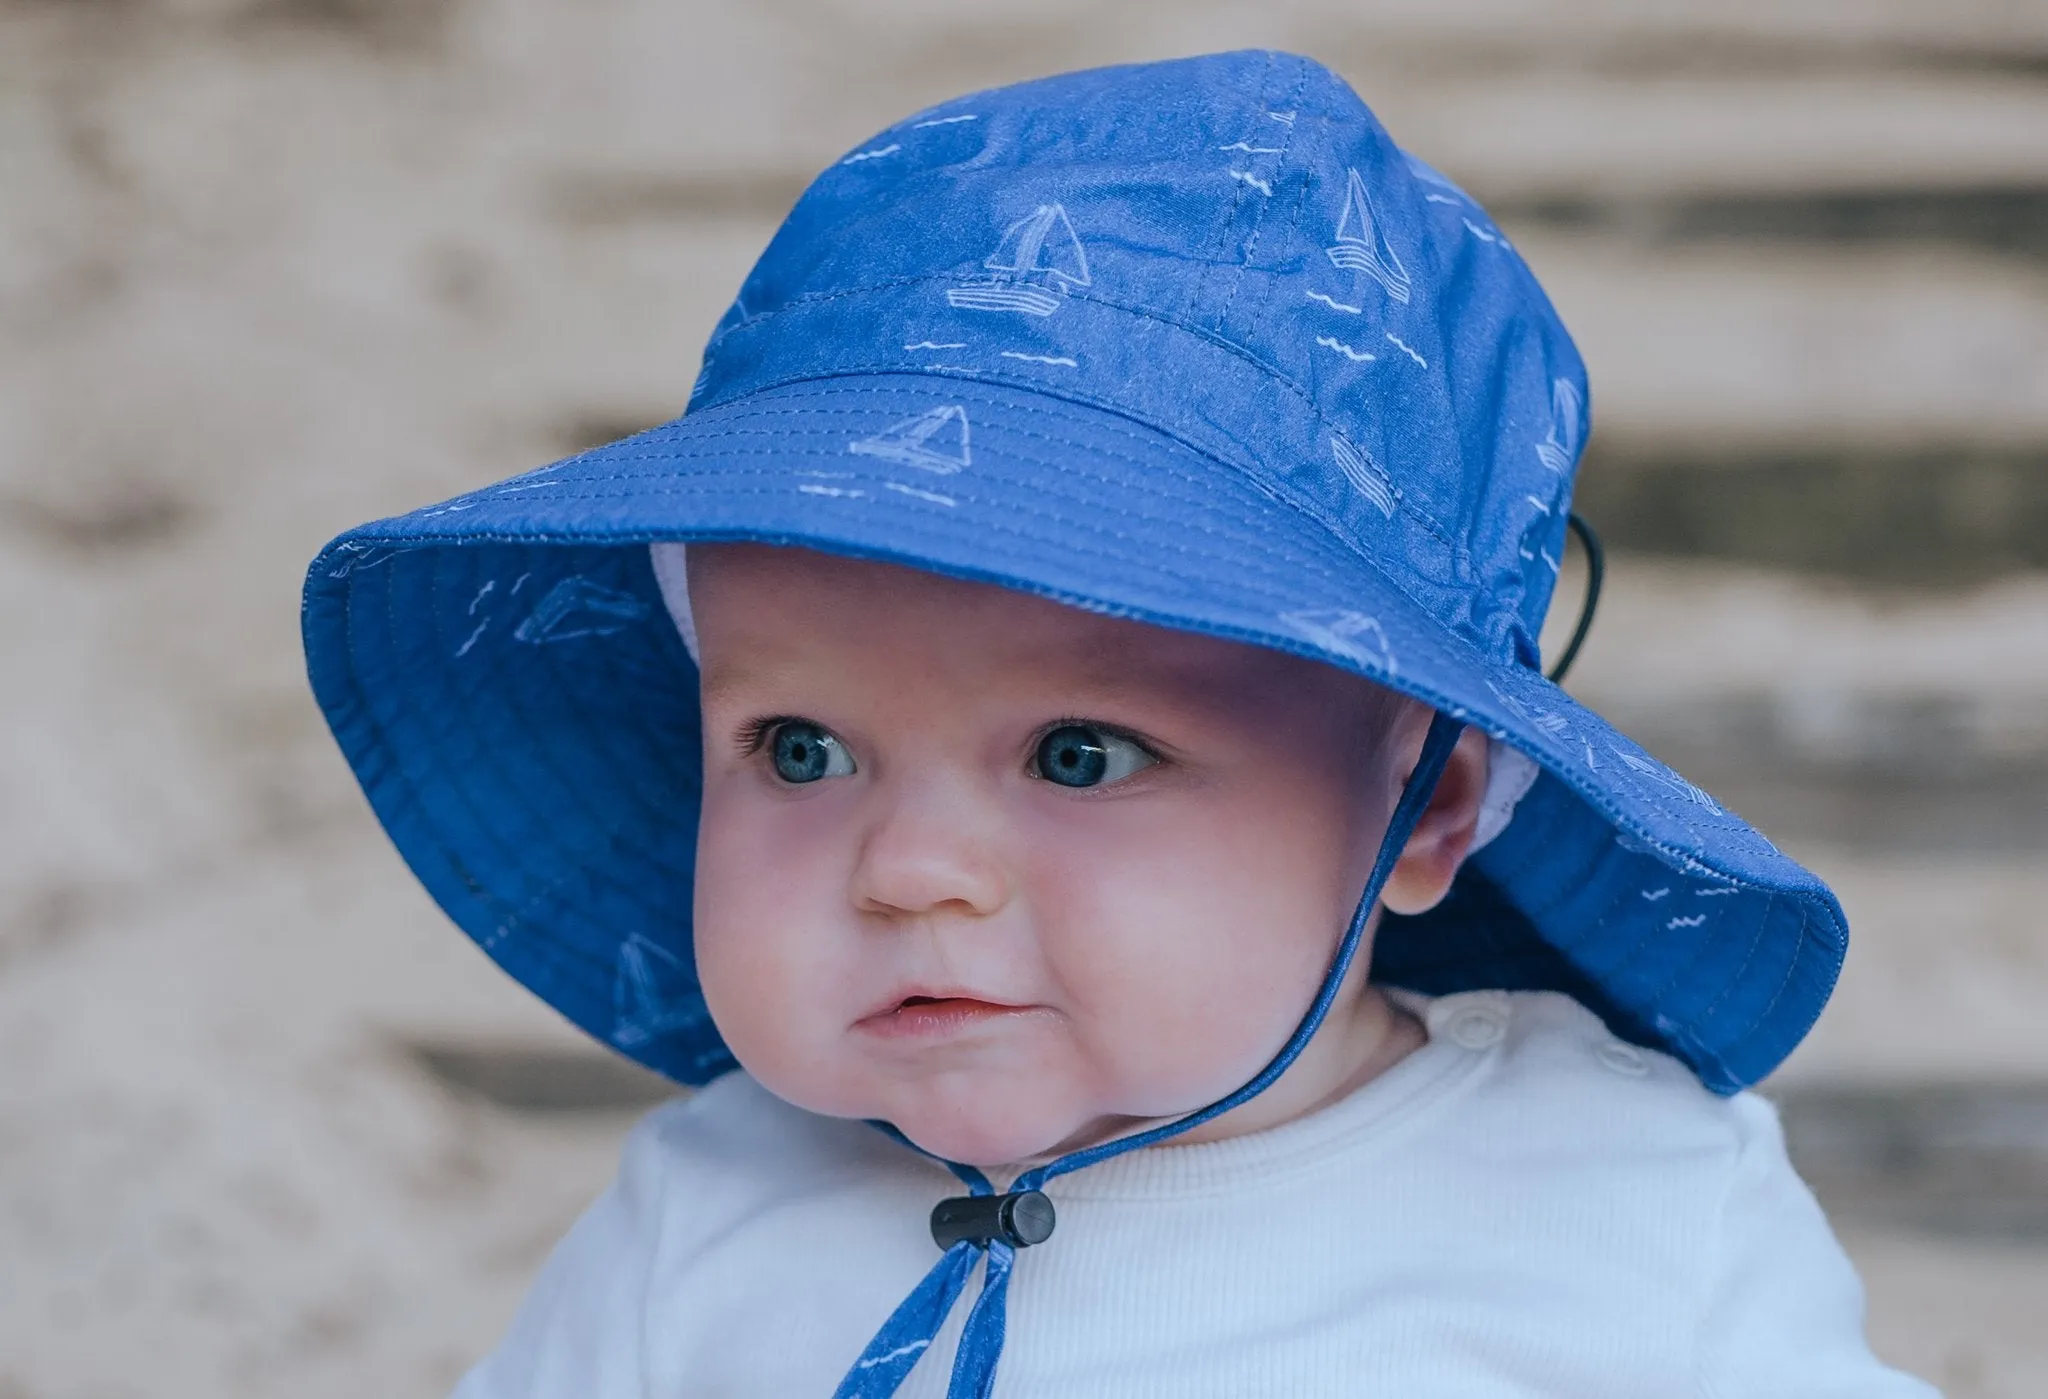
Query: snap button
[1477, 1029]
[1623, 1059]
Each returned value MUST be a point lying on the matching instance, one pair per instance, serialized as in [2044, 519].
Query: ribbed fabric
[1523, 1207]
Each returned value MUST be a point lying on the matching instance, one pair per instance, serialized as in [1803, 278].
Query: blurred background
[268, 1126]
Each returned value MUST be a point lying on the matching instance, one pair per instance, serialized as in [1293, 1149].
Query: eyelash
[753, 735]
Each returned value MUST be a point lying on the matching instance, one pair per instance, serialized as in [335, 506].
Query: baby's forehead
[766, 614]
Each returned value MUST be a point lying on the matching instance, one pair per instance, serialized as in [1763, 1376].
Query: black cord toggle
[1019, 1219]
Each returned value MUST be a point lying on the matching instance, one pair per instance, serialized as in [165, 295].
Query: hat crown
[1230, 249]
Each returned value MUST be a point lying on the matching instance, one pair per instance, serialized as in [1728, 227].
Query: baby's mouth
[937, 1017]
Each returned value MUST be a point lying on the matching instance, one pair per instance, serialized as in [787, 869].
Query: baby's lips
[906, 996]
[938, 1013]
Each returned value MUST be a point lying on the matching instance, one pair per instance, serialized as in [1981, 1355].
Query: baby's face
[1007, 874]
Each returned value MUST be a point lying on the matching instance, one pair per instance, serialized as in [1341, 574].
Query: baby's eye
[803, 752]
[1075, 755]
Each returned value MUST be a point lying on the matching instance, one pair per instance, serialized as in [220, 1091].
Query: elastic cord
[1596, 574]
[909, 1331]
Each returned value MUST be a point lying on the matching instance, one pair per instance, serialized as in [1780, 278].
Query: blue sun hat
[1192, 343]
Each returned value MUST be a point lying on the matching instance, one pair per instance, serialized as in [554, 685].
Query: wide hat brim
[507, 686]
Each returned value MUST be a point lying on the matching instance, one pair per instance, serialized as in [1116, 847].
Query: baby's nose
[928, 850]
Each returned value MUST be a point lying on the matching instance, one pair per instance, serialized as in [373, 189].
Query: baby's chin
[987, 1121]
[1005, 1126]
[996, 1139]
[991, 1106]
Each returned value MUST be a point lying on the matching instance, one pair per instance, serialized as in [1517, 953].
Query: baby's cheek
[756, 958]
[1184, 984]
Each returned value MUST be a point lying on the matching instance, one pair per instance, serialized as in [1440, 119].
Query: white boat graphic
[1560, 447]
[1361, 247]
[1367, 475]
[577, 607]
[1039, 261]
[936, 441]
[653, 994]
[1348, 633]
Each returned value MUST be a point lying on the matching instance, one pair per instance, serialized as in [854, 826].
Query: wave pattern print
[1405, 348]
[1366, 474]
[1039, 260]
[1335, 305]
[1350, 352]
[937, 441]
[1360, 246]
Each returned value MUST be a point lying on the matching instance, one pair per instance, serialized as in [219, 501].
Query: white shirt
[1525, 1206]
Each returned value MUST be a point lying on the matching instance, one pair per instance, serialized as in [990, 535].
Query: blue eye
[803, 752]
[1075, 755]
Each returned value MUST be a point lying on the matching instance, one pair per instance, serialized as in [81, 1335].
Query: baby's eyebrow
[1181, 683]
[1089, 677]
[723, 683]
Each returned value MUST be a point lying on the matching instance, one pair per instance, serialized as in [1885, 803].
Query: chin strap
[984, 1225]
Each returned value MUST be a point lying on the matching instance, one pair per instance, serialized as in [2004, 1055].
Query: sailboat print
[1560, 448]
[935, 441]
[1347, 633]
[577, 607]
[1361, 247]
[653, 994]
[1364, 473]
[1039, 261]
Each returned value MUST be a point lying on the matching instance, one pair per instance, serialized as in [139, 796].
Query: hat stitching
[1674, 856]
[642, 486]
[537, 896]
[1014, 380]
[1251, 243]
[1615, 971]
[1733, 980]
[1265, 569]
[395, 774]
[1264, 572]
[499, 905]
[565, 961]
[1002, 376]
[1784, 982]
[1248, 636]
[1596, 796]
[1294, 220]
[1195, 283]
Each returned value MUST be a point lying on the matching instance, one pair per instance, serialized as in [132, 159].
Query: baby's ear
[1443, 837]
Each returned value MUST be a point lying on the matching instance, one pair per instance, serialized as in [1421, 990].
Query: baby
[1053, 745]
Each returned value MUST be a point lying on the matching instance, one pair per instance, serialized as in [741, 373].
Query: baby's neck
[1365, 1034]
